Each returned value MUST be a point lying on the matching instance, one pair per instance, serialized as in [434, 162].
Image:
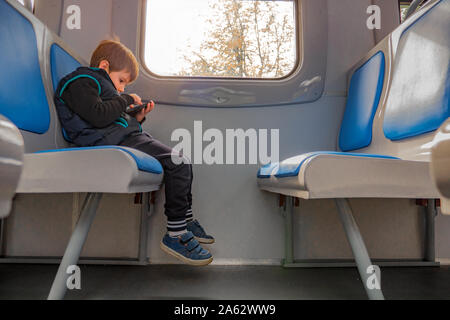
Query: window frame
[408, 3]
[400, 4]
[298, 35]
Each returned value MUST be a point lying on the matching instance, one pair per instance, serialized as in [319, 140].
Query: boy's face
[120, 79]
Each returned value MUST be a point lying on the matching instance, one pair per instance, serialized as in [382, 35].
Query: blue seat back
[364, 95]
[420, 92]
[22, 95]
[62, 63]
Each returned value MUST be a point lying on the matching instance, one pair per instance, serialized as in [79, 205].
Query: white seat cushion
[346, 175]
[106, 169]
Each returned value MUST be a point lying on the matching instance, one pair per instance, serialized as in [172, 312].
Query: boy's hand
[137, 99]
[141, 114]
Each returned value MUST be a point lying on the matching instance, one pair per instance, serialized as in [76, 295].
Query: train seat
[348, 173]
[415, 107]
[397, 98]
[26, 103]
[107, 169]
[140, 172]
[328, 174]
[33, 61]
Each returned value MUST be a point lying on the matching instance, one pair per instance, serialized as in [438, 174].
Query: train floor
[25, 281]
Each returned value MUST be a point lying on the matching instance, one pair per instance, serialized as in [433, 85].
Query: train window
[220, 38]
[404, 6]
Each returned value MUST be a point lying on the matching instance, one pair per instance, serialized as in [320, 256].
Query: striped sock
[176, 228]
[189, 216]
[174, 234]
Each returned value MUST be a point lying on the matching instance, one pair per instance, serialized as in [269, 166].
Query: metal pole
[358, 247]
[429, 233]
[289, 246]
[2, 232]
[143, 236]
[75, 245]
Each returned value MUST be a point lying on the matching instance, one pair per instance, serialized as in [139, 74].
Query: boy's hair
[119, 58]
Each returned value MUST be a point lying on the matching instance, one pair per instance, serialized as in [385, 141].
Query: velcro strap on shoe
[192, 244]
[185, 238]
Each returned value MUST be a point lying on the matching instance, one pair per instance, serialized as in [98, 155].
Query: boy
[92, 112]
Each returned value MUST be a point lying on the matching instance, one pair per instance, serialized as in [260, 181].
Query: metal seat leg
[430, 252]
[75, 245]
[358, 247]
[289, 241]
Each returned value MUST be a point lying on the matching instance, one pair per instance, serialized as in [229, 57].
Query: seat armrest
[11, 163]
[440, 164]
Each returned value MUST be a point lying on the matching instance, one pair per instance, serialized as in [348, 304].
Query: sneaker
[186, 248]
[199, 233]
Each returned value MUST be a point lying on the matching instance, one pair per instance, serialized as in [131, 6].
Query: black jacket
[91, 110]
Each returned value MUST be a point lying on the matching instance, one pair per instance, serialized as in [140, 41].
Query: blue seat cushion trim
[143, 161]
[65, 135]
[364, 95]
[22, 95]
[266, 170]
[62, 63]
[291, 169]
[419, 97]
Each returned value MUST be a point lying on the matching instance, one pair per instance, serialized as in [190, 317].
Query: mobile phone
[133, 109]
